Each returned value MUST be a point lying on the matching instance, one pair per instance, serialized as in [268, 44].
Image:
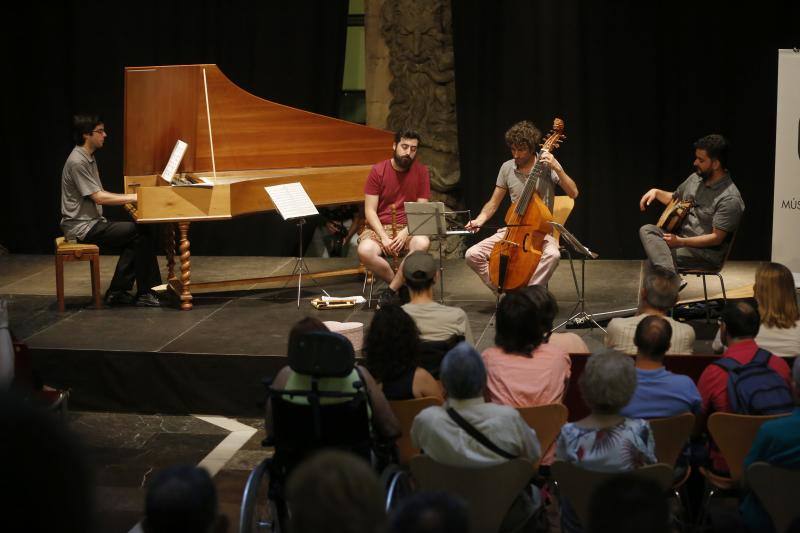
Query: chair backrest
[734, 435]
[321, 354]
[405, 411]
[562, 207]
[300, 429]
[671, 435]
[489, 491]
[546, 421]
[776, 489]
[431, 353]
[577, 484]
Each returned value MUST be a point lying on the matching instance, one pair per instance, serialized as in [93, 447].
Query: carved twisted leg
[186, 267]
[170, 250]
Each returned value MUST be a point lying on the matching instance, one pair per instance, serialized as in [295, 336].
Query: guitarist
[702, 239]
[522, 139]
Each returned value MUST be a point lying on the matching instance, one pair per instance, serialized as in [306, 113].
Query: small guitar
[674, 214]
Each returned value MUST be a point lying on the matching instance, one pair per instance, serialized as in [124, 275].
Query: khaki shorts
[369, 234]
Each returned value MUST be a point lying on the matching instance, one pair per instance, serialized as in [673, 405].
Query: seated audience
[568, 341]
[392, 352]
[430, 512]
[182, 498]
[383, 420]
[658, 295]
[47, 475]
[436, 322]
[605, 441]
[776, 297]
[739, 325]
[777, 443]
[335, 492]
[629, 504]
[659, 393]
[444, 439]
[521, 369]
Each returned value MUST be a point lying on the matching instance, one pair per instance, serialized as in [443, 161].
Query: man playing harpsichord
[522, 139]
[82, 220]
[391, 183]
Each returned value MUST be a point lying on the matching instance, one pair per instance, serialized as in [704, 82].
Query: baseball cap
[419, 266]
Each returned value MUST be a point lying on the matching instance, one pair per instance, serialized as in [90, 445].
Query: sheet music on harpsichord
[291, 200]
[172, 166]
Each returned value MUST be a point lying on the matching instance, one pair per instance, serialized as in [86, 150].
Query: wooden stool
[66, 251]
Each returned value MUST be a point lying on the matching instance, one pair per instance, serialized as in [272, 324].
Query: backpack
[755, 388]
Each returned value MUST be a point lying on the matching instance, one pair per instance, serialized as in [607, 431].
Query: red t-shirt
[713, 385]
[392, 187]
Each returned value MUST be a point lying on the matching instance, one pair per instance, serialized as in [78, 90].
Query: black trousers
[135, 244]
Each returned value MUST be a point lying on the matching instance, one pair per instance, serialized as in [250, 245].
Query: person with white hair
[440, 431]
[605, 441]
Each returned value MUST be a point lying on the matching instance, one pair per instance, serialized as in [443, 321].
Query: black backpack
[755, 388]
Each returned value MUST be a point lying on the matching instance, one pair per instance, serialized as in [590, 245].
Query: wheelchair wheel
[397, 483]
[258, 513]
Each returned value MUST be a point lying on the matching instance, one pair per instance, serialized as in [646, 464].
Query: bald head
[652, 337]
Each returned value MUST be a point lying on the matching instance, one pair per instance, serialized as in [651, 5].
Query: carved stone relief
[419, 37]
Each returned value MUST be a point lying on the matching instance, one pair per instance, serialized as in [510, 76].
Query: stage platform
[212, 359]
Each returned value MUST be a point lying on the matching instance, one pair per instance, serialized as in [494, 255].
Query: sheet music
[174, 160]
[292, 200]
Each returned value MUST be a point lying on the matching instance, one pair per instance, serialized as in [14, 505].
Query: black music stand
[581, 316]
[430, 219]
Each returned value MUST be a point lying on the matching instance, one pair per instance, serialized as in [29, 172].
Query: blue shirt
[777, 443]
[660, 393]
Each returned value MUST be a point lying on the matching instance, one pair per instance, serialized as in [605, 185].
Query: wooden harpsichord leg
[169, 246]
[186, 267]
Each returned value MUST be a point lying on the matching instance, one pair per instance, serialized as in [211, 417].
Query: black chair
[431, 353]
[305, 421]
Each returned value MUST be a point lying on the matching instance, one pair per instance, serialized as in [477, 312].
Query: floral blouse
[626, 446]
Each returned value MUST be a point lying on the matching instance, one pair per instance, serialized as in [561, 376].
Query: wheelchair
[307, 420]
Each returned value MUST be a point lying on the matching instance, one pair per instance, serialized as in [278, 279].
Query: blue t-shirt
[660, 393]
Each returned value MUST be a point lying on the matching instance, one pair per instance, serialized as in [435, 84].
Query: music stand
[585, 253]
[430, 219]
[293, 203]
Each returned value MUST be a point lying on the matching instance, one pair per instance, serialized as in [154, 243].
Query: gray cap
[419, 266]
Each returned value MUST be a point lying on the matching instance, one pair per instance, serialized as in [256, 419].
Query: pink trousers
[477, 258]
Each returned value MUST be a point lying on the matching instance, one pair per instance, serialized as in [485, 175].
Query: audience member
[659, 393]
[383, 419]
[392, 352]
[430, 512]
[628, 504]
[45, 471]
[658, 295]
[739, 325]
[182, 498]
[439, 432]
[777, 443]
[335, 492]
[548, 309]
[436, 322]
[605, 441]
[521, 369]
[776, 297]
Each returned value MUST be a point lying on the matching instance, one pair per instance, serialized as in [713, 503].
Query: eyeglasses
[100, 131]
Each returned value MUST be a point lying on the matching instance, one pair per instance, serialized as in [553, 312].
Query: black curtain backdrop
[636, 83]
[66, 57]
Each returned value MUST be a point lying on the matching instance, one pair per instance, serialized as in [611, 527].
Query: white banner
[786, 207]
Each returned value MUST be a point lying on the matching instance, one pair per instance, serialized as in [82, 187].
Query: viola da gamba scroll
[514, 259]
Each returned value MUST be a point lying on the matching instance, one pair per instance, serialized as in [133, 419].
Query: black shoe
[119, 298]
[388, 297]
[147, 299]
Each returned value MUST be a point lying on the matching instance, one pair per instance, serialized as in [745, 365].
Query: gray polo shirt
[718, 206]
[513, 180]
[79, 180]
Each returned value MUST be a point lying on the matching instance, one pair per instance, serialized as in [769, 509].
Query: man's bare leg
[419, 243]
[369, 252]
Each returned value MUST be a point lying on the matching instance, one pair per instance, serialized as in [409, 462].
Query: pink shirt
[395, 188]
[521, 381]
